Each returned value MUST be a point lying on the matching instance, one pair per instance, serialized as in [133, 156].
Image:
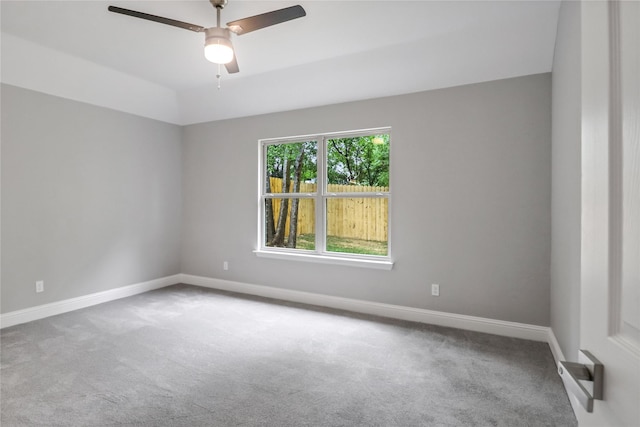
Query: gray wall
[566, 176]
[471, 179]
[90, 198]
[94, 199]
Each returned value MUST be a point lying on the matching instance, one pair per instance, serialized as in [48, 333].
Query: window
[326, 198]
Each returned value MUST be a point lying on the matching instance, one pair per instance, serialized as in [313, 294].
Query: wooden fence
[356, 218]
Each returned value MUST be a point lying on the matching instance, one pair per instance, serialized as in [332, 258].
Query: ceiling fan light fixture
[217, 45]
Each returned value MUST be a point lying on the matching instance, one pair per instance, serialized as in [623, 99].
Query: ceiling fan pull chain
[219, 76]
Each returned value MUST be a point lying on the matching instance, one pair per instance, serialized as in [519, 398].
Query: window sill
[324, 259]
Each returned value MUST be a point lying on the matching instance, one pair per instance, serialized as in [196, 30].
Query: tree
[275, 165]
[291, 162]
[359, 160]
[278, 237]
[293, 221]
[268, 213]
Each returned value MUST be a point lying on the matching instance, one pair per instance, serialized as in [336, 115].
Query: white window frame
[320, 254]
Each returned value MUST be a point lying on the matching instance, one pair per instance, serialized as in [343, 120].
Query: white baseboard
[460, 321]
[59, 307]
[471, 323]
[555, 347]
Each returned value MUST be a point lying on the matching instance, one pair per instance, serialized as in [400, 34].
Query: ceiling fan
[217, 45]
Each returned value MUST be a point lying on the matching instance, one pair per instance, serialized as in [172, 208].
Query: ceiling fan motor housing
[218, 4]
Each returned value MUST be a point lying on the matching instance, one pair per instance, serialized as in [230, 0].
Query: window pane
[279, 231]
[357, 225]
[358, 164]
[291, 167]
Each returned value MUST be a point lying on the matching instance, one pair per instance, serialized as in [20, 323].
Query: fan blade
[160, 19]
[246, 25]
[232, 67]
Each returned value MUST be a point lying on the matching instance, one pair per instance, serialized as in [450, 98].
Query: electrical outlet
[40, 286]
[225, 265]
[435, 290]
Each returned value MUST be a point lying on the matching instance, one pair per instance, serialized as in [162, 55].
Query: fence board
[357, 218]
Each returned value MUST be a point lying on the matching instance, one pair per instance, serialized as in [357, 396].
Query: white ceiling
[341, 51]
